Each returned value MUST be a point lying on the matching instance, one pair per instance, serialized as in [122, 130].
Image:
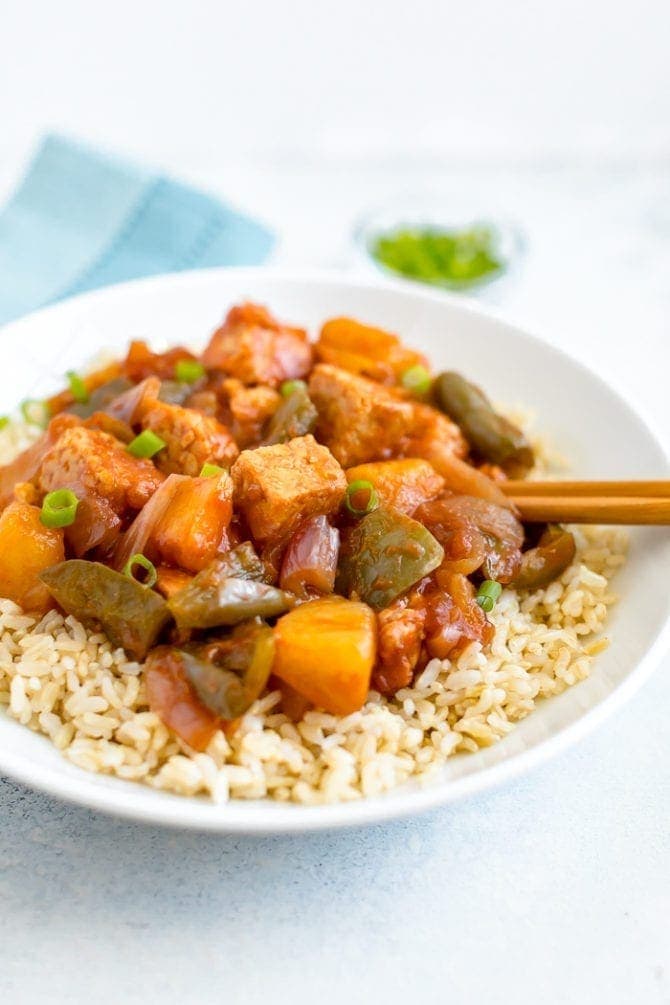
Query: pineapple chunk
[193, 529]
[403, 484]
[368, 351]
[27, 548]
[325, 650]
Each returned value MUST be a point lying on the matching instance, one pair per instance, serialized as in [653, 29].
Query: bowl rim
[128, 800]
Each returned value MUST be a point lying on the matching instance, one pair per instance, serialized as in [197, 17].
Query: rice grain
[89, 700]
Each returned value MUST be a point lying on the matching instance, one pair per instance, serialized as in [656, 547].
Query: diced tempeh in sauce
[192, 439]
[27, 548]
[277, 486]
[26, 466]
[254, 347]
[400, 484]
[359, 420]
[94, 463]
[431, 431]
[249, 409]
[400, 634]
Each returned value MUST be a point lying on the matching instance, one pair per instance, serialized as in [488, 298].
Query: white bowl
[583, 417]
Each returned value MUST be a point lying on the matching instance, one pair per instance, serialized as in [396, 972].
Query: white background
[210, 80]
[557, 887]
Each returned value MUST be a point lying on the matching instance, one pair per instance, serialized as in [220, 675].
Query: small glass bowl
[429, 214]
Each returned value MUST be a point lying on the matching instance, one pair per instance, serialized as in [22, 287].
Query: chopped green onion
[416, 379]
[452, 258]
[146, 444]
[151, 575]
[487, 594]
[4, 421]
[211, 471]
[77, 387]
[360, 486]
[36, 412]
[59, 508]
[187, 371]
[289, 386]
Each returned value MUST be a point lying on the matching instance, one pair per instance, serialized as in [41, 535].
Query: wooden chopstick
[593, 490]
[593, 509]
[624, 502]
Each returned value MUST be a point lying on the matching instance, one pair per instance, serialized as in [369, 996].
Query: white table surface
[554, 888]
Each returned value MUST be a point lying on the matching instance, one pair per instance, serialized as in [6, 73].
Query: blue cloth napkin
[80, 220]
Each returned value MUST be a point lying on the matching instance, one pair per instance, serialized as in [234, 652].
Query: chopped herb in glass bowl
[453, 258]
[453, 251]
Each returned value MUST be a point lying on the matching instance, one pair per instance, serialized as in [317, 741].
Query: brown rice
[69, 684]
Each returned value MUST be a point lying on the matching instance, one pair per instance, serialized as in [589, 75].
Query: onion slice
[310, 560]
[135, 539]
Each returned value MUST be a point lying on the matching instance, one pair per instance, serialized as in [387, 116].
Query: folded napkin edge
[163, 226]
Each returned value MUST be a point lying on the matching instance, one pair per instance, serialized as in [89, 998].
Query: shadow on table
[140, 914]
[58, 860]
[61, 862]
